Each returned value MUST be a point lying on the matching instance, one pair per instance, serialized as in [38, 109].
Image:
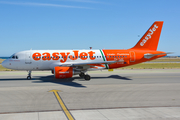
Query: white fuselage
[48, 59]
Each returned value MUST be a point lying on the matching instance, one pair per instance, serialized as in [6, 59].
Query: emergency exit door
[132, 56]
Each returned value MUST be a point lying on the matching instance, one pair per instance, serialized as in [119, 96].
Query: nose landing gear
[29, 75]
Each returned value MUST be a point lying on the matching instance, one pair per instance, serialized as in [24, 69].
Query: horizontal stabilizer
[148, 55]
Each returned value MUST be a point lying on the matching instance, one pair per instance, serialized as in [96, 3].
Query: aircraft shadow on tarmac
[114, 77]
[67, 82]
[51, 79]
[71, 81]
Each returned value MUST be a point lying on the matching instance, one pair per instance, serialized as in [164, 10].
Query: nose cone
[4, 63]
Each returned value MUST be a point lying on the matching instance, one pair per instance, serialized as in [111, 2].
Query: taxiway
[122, 94]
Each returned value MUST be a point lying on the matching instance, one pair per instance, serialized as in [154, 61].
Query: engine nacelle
[63, 72]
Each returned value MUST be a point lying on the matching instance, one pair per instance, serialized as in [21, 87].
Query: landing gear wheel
[82, 75]
[29, 77]
[87, 77]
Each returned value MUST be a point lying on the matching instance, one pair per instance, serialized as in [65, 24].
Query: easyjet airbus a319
[66, 63]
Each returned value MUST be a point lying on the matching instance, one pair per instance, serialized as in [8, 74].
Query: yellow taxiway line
[64, 108]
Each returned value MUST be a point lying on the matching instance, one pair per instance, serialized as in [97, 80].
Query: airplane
[66, 63]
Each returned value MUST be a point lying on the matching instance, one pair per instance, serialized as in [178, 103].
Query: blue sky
[79, 24]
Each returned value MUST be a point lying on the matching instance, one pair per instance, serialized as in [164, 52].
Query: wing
[84, 64]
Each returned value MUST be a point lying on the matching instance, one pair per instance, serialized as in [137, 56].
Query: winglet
[150, 39]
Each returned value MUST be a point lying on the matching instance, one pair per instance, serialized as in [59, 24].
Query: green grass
[166, 60]
[5, 69]
[154, 66]
[1, 60]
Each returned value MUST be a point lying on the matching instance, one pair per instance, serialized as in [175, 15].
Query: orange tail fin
[150, 39]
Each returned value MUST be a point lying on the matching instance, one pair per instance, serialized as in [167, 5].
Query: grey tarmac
[122, 94]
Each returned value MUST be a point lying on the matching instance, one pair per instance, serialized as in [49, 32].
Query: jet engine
[63, 72]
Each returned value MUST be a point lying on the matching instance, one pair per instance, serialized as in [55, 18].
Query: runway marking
[63, 106]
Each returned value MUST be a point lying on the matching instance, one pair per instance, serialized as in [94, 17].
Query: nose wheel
[29, 75]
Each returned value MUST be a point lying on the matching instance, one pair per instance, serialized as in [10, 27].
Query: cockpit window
[14, 57]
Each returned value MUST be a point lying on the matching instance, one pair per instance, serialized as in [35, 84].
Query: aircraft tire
[87, 77]
[29, 77]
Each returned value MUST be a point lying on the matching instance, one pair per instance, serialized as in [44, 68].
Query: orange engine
[63, 72]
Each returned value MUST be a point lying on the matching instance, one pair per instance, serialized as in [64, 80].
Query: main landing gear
[29, 75]
[86, 77]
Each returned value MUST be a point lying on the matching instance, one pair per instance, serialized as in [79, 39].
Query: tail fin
[150, 39]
